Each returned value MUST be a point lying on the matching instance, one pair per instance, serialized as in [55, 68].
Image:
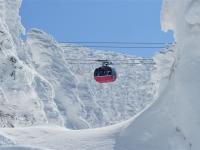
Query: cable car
[105, 74]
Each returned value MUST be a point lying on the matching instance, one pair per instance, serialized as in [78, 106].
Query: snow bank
[20, 148]
[62, 139]
[173, 120]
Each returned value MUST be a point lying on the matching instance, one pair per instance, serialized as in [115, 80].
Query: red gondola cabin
[105, 74]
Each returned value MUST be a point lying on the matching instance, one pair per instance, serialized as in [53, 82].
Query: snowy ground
[61, 138]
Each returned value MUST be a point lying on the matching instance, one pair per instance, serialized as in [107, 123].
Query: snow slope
[172, 123]
[61, 139]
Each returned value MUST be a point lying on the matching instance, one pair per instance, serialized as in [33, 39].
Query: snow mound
[20, 148]
[62, 139]
[4, 140]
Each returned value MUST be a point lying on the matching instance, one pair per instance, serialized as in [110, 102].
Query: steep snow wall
[21, 104]
[173, 121]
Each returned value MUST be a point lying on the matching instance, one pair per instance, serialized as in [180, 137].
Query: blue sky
[98, 20]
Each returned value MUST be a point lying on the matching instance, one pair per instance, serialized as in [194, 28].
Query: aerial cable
[129, 43]
[127, 47]
[115, 63]
[99, 60]
[112, 61]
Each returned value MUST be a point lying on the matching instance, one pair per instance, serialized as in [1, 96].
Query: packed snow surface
[40, 87]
